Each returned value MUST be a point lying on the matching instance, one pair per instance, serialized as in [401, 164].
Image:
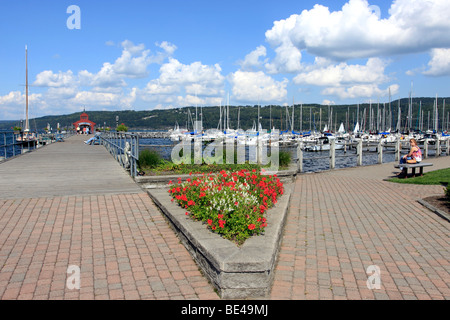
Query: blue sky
[143, 55]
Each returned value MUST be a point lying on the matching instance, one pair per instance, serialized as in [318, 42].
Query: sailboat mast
[293, 110]
[27, 124]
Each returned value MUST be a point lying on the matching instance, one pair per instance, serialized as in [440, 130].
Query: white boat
[323, 144]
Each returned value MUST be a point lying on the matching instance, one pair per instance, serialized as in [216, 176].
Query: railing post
[425, 149]
[398, 148]
[332, 154]
[359, 153]
[380, 152]
[438, 148]
[300, 157]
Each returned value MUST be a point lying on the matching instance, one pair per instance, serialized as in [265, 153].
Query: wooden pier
[64, 168]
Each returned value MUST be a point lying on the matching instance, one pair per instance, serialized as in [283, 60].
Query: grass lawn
[438, 177]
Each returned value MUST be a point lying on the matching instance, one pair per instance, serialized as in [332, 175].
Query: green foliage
[284, 159]
[447, 192]
[232, 203]
[149, 159]
[122, 128]
[16, 128]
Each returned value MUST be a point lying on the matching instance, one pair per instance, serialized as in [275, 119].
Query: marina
[193, 151]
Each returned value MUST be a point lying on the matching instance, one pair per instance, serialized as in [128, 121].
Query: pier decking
[72, 204]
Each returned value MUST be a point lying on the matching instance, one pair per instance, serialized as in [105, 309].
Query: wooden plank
[64, 168]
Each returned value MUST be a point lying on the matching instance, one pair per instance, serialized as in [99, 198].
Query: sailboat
[27, 136]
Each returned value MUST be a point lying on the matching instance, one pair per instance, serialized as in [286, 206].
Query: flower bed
[233, 204]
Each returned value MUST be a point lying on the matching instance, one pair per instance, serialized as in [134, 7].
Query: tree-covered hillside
[313, 116]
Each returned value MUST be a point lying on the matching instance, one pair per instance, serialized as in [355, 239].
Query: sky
[148, 54]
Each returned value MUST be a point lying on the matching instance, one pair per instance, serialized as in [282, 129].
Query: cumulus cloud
[49, 79]
[175, 72]
[252, 60]
[360, 91]
[439, 64]
[185, 84]
[343, 73]
[257, 87]
[357, 31]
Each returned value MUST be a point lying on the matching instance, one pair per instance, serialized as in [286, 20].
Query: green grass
[152, 163]
[438, 177]
[167, 167]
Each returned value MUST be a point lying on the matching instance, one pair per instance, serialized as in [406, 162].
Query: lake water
[8, 146]
[312, 161]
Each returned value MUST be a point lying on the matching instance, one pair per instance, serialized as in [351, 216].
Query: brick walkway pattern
[340, 224]
[121, 243]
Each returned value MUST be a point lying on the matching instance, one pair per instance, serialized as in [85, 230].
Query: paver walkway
[342, 222]
[92, 216]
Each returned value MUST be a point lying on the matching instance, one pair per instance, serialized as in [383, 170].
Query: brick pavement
[340, 223]
[121, 243]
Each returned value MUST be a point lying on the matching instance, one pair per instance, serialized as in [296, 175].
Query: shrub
[232, 204]
[284, 158]
[447, 192]
[149, 159]
[122, 128]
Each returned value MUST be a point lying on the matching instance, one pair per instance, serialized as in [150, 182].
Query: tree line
[302, 117]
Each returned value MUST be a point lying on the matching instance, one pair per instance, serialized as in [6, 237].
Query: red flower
[251, 226]
[209, 221]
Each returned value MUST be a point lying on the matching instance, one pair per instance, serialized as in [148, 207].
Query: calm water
[312, 161]
[8, 145]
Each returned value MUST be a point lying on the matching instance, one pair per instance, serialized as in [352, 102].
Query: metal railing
[13, 144]
[124, 147]
[399, 147]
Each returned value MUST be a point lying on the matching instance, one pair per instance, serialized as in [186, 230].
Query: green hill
[280, 117]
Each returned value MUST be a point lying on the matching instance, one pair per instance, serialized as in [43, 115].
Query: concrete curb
[161, 181]
[236, 272]
[435, 210]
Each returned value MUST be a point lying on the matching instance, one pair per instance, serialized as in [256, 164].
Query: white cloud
[343, 73]
[252, 61]
[357, 31]
[439, 64]
[327, 102]
[168, 47]
[174, 72]
[360, 91]
[257, 87]
[49, 79]
[185, 84]
[347, 81]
